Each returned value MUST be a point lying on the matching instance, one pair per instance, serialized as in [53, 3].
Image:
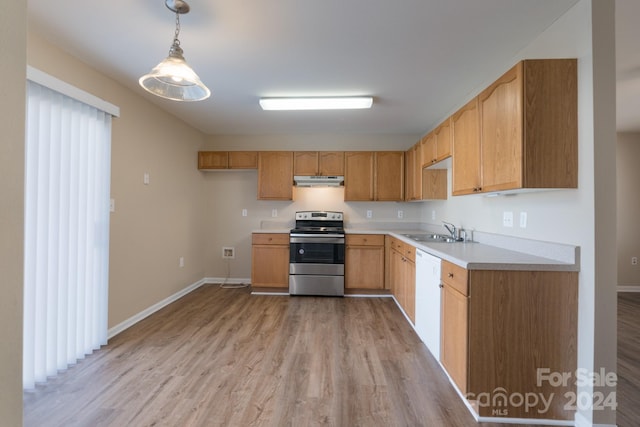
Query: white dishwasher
[428, 301]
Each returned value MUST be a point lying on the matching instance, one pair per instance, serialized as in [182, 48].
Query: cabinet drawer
[270, 239]
[456, 277]
[397, 244]
[365, 239]
[409, 252]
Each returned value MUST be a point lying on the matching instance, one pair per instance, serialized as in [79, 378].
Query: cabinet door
[270, 260]
[305, 163]
[364, 262]
[275, 175]
[501, 126]
[358, 175]
[331, 163]
[466, 149]
[454, 335]
[395, 274]
[409, 158]
[212, 159]
[434, 184]
[429, 153]
[243, 159]
[389, 176]
[443, 140]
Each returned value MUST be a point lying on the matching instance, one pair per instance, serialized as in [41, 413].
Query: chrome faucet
[451, 229]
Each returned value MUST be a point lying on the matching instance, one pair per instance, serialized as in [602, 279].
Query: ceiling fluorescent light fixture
[173, 78]
[317, 103]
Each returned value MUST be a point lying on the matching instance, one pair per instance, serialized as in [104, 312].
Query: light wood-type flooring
[223, 357]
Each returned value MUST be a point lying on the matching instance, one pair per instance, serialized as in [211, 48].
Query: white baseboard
[149, 311]
[628, 288]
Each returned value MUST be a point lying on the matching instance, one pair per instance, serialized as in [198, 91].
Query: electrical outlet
[433, 215]
[523, 220]
[634, 260]
[400, 214]
[369, 214]
[274, 213]
[228, 252]
[181, 262]
[244, 212]
[507, 219]
[145, 178]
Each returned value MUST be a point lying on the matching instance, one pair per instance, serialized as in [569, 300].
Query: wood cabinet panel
[270, 260]
[389, 176]
[227, 160]
[358, 175]
[501, 132]
[454, 335]
[364, 261]
[275, 175]
[465, 124]
[551, 123]
[429, 153]
[443, 137]
[403, 276]
[213, 159]
[331, 163]
[520, 321]
[455, 276]
[305, 163]
[434, 184]
[243, 160]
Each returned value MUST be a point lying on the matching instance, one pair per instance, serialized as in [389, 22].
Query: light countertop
[482, 256]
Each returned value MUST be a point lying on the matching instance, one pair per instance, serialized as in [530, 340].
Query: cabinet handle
[450, 274]
[441, 286]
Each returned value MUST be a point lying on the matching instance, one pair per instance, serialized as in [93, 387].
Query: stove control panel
[319, 215]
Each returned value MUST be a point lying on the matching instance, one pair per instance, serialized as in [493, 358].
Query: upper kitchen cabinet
[275, 175]
[528, 131]
[436, 145]
[210, 160]
[529, 125]
[442, 136]
[389, 176]
[413, 171]
[323, 163]
[372, 176]
[358, 175]
[465, 124]
[428, 151]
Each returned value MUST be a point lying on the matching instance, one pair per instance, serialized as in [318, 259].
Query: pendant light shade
[173, 78]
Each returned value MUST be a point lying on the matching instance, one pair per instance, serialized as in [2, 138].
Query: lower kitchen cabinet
[402, 276]
[364, 261]
[270, 260]
[499, 328]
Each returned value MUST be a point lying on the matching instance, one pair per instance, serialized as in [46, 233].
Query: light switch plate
[523, 220]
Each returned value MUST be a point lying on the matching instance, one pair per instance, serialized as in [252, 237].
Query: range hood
[318, 181]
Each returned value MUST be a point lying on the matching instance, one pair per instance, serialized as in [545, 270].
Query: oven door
[316, 249]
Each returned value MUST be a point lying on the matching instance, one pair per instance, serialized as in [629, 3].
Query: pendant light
[173, 78]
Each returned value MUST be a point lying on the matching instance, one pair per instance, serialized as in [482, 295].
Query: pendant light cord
[177, 32]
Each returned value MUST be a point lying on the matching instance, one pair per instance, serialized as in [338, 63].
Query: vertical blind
[68, 162]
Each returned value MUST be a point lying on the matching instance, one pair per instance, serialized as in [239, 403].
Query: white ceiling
[418, 58]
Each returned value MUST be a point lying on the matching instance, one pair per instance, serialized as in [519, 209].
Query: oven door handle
[326, 238]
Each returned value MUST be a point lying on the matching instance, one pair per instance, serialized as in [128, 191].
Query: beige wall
[12, 107]
[153, 225]
[228, 192]
[628, 176]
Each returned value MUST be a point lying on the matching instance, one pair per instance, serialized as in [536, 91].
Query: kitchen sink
[432, 238]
